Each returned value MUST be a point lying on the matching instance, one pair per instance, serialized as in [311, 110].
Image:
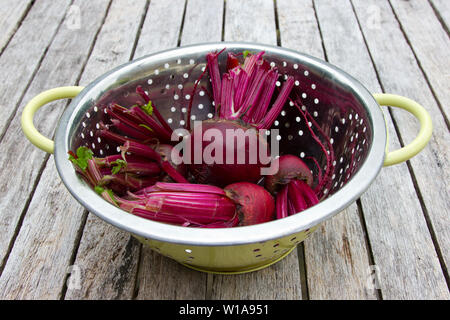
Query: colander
[344, 109]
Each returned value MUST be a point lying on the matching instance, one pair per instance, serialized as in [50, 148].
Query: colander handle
[426, 127]
[37, 102]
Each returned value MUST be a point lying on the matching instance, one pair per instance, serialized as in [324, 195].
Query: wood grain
[443, 11]
[161, 277]
[39, 261]
[56, 69]
[282, 280]
[252, 22]
[430, 43]
[203, 21]
[21, 58]
[402, 75]
[337, 260]
[11, 15]
[42, 227]
[296, 15]
[108, 256]
[399, 206]
[158, 34]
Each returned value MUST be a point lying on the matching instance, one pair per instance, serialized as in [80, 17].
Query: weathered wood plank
[252, 21]
[430, 43]
[39, 261]
[392, 195]
[336, 255]
[298, 27]
[22, 56]
[20, 156]
[158, 34]
[11, 14]
[255, 21]
[402, 75]
[161, 277]
[443, 11]
[107, 259]
[203, 21]
[107, 256]
[279, 281]
[337, 264]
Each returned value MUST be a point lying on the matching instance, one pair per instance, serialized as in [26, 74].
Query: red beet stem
[309, 195]
[142, 168]
[172, 172]
[158, 115]
[254, 90]
[296, 197]
[256, 114]
[184, 208]
[107, 134]
[128, 180]
[94, 171]
[107, 160]
[189, 187]
[282, 203]
[214, 73]
[130, 131]
[191, 101]
[140, 149]
[326, 180]
[128, 122]
[278, 104]
[162, 132]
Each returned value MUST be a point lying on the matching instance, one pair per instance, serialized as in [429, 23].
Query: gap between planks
[17, 25]
[401, 140]
[33, 74]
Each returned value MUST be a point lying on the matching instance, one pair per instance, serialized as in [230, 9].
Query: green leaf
[245, 54]
[148, 108]
[118, 165]
[81, 160]
[99, 189]
[111, 194]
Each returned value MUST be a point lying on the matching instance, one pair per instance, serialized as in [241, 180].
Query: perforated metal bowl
[342, 107]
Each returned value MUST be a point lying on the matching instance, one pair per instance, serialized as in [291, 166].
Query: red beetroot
[293, 198]
[292, 186]
[289, 168]
[255, 204]
[183, 204]
[233, 157]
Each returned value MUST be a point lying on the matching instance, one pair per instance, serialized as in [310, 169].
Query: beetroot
[255, 204]
[234, 157]
[289, 167]
[292, 186]
[227, 150]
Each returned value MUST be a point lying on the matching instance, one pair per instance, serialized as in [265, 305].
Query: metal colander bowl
[340, 105]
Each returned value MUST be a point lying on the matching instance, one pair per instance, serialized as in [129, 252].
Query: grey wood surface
[102, 246]
[396, 234]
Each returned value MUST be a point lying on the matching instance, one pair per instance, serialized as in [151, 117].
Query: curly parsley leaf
[99, 189]
[81, 158]
[118, 165]
[148, 108]
[245, 54]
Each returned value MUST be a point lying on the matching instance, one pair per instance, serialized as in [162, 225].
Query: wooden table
[395, 236]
